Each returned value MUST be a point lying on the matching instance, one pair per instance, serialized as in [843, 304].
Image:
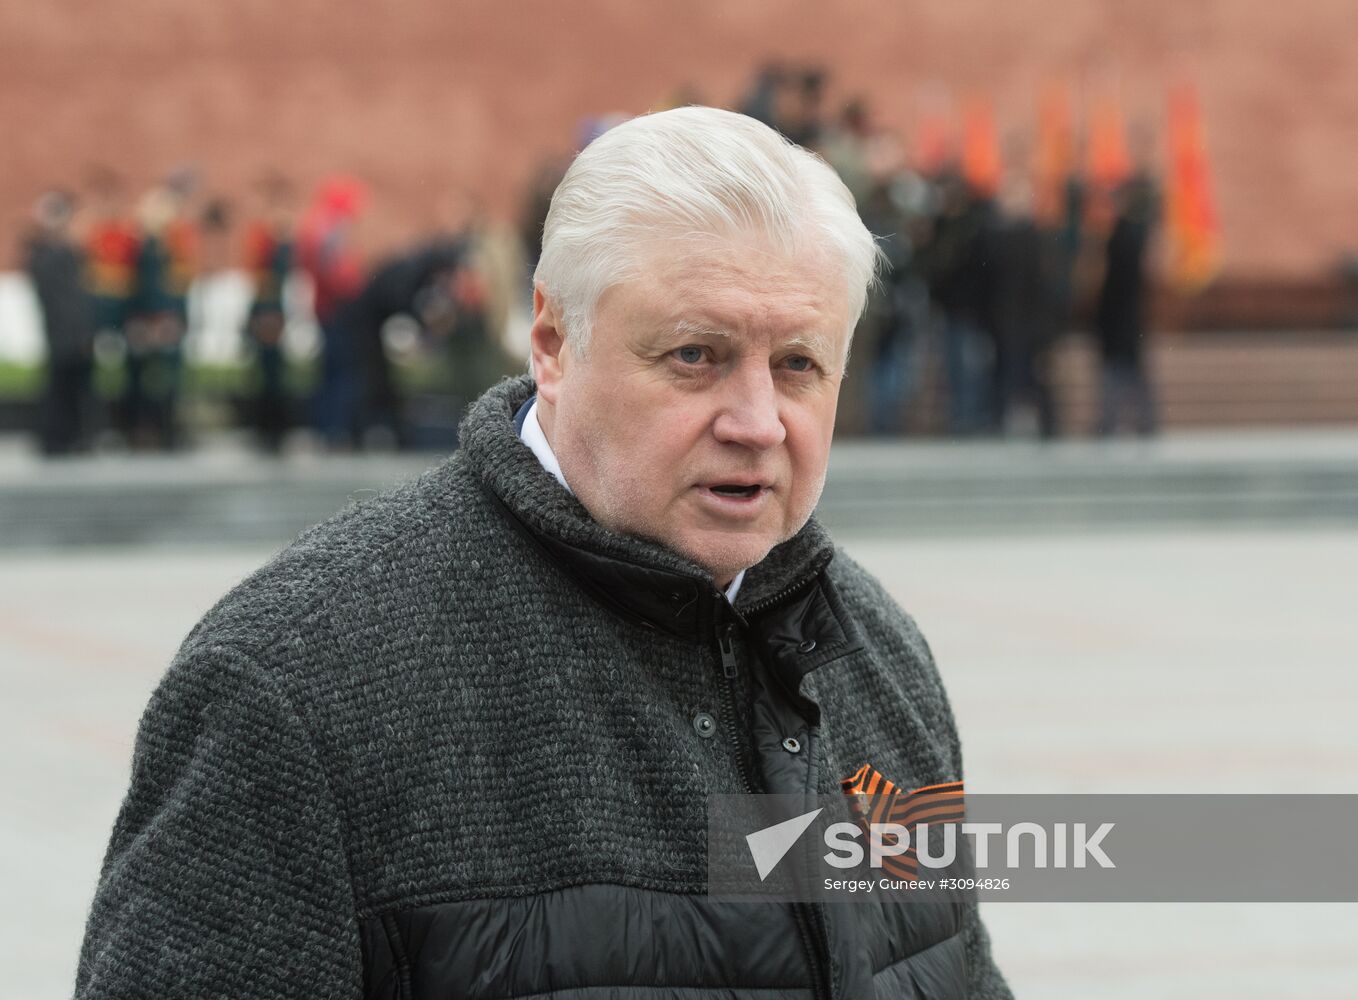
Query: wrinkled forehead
[743, 284]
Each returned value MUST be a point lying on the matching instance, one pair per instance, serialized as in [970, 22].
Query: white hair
[686, 173]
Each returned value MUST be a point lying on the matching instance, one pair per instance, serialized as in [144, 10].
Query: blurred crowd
[994, 249]
[122, 276]
[992, 245]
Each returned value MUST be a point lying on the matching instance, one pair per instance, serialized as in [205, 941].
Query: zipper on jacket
[726, 642]
[804, 914]
[730, 669]
[816, 911]
[777, 598]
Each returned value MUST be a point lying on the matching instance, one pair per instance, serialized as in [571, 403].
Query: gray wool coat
[456, 742]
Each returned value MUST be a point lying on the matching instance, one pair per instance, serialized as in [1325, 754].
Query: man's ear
[547, 342]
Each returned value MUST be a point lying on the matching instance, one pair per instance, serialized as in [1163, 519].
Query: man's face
[702, 414]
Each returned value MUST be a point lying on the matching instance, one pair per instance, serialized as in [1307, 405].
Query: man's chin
[725, 560]
[722, 553]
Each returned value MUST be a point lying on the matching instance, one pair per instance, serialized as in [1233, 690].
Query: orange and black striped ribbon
[873, 798]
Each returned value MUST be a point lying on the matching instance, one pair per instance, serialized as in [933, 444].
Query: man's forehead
[728, 288]
[707, 256]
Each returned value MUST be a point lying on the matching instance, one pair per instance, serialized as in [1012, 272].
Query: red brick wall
[422, 98]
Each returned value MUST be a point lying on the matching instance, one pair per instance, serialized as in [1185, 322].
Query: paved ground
[1154, 661]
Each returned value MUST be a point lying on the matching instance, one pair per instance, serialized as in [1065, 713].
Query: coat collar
[642, 580]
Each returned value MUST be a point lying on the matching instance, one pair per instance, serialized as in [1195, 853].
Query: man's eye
[689, 355]
[800, 363]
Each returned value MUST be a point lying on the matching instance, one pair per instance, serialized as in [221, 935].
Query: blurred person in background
[799, 107]
[214, 227]
[270, 256]
[476, 356]
[962, 284]
[896, 325]
[496, 255]
[395, 288]
[1121, 316]
[761, 101]
[845, 146]
[533, 212]
[1025, 290]
[111, 249]
[167, 263]
[1061, 236]
[56, 268]
[328, 255]
[896, 205]
[447, 285]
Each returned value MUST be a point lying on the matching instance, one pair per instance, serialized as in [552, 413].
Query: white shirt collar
[532, 436]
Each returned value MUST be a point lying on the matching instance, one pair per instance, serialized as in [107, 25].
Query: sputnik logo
[769, 845]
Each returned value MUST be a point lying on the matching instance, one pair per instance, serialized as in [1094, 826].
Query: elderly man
[458, 740]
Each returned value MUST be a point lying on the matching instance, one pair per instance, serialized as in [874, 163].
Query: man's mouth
[740, 501]
[735, 489]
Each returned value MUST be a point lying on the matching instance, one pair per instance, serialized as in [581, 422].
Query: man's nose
[749, 412]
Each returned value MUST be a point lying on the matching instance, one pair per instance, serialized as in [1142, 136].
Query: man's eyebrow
[818, 345]
[687, 327]
[815, 342]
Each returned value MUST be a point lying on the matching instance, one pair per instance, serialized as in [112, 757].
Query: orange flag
[1054, 160]
[1194, 237]
[1109, 162]
[981, 148]
[933, 142]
